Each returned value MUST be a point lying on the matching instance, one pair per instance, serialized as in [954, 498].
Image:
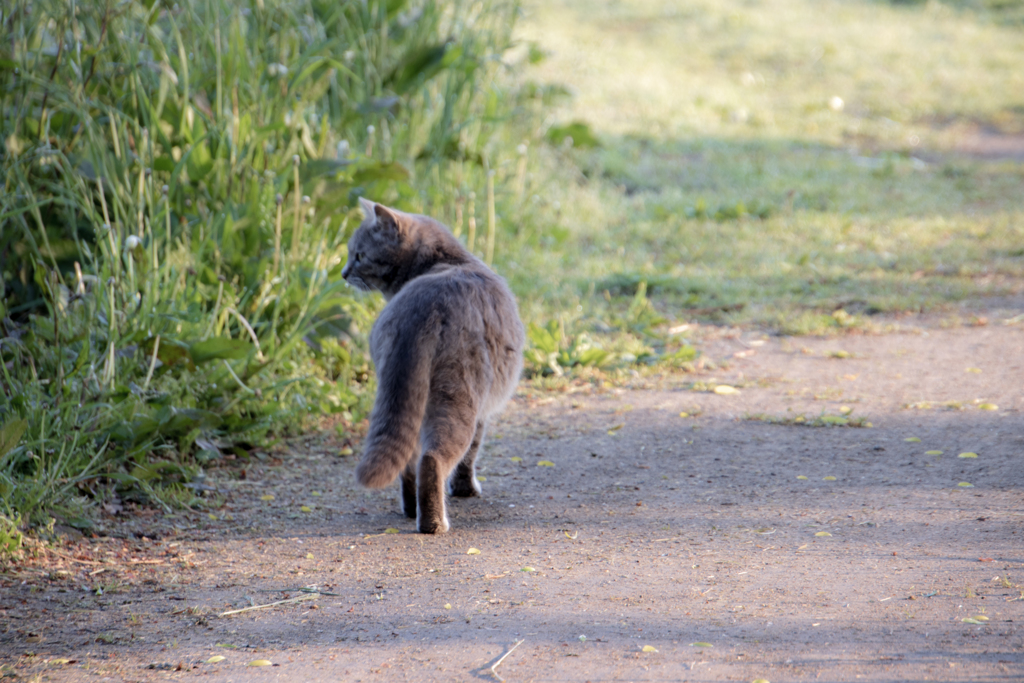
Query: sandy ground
[655, 548]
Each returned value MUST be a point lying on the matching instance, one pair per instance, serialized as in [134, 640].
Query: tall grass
[178, 184]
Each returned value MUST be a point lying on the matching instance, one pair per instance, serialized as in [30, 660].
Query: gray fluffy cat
[448, 348]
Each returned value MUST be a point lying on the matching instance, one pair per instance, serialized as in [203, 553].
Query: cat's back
[459, 297]
[468, 317]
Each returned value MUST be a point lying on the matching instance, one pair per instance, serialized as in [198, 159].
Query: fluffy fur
[448, 350]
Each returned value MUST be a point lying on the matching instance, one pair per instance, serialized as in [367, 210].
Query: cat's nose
[347, 270]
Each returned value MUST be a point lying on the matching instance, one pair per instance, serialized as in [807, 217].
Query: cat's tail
[402, 391]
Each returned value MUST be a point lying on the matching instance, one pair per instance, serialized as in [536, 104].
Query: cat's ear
[387, 220]
[367, 206]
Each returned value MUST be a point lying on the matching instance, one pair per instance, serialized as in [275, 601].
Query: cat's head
[391, 247]
[376, 248]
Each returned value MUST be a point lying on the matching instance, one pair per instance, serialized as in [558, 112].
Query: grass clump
[612, 340]
[11, 537]
[179, 182]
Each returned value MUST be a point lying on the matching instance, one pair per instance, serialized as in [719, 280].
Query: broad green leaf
[158, 471]
[220, 347]
[543, 339]
[684, 354]
[375, 172]
[163, 164]
[10, 435]
[170, 352]
[582, 136]
[316, 168]
[420, 65]
[594, 357]
[80, 361]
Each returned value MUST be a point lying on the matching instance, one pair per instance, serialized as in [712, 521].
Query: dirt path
[696, 536]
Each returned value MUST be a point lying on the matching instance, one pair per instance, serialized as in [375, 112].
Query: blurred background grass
[179, 184]
[798, 165]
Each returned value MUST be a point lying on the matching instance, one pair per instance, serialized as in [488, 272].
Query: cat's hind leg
[409, 490]
[464, 483]
[447, 434]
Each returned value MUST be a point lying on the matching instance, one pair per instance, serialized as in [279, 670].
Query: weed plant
[178, 183]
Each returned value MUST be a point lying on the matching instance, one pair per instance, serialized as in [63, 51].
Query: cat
[448, 348]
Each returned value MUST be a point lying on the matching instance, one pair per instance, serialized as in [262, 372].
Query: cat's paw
[436, 526]
[464, 488]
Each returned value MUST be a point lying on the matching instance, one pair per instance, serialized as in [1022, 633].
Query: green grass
[179, 185]
[728, 180]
